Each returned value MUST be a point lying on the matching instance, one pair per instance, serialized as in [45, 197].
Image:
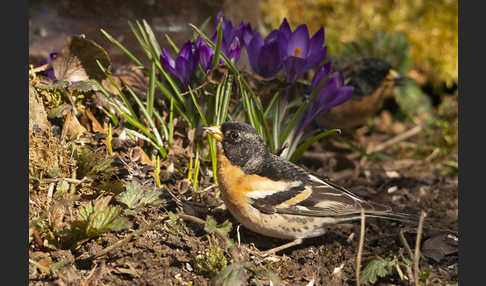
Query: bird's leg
[283, 246]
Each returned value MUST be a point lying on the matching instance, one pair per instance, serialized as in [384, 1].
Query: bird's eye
[234, 135]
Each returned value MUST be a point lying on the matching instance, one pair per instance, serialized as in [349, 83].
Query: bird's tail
[395, 216]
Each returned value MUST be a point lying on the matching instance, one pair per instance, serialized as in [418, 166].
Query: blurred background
[418, 38]
[430, 27]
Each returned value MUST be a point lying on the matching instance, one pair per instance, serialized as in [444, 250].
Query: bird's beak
[215, 132]
[394, 77]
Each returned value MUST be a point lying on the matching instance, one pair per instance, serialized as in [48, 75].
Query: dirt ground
[181, 252]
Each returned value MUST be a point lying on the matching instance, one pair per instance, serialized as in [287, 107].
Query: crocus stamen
[297, 52]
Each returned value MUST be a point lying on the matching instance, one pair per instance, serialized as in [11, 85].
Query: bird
[372, 79]
[277, 198]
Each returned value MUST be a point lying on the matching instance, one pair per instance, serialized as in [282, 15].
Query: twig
[69, 180]
[195, 89]
[127, 238]
[400, 137]
[317, 155]
[360, 247]
[200, 221]
[407, 267]
[417, 247]
[399, 271]
[405, 243]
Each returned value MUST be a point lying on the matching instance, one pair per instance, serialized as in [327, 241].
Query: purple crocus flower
[245, 33]
[230, 44]
[333, 93]
[50, 72]
[205, 53]
[299, 53]
[184, 65]
[264, 54]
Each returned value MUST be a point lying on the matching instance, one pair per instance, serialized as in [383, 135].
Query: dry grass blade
[360, 248]
[417, 248]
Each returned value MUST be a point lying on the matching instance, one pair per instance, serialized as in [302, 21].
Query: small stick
[417, 247]
[409, 270]
[405, 243]
[360, 247]
[400, 137]
[317, 155]
[69, 180]
[200, 221]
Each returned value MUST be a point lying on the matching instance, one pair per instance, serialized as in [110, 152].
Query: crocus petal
[294, 67]
[184, 70]
[49, 72]
[167, 61]
[335, 91]
[299, 42]
[245, 33]
[253, 51]
[233, 51]
[285, 29]
[186, 51]
[205, 57]
[344, 93]
[316, 41]
[269, 59]
[273, 36]
[320, 74]
[316, 58]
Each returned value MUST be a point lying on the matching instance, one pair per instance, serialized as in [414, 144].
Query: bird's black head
[374, 68]
[365, 74]
[243, 146]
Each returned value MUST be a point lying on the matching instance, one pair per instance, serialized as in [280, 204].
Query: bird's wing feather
[309, 195]
[323, 201]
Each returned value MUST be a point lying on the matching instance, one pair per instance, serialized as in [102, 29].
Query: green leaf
[376, 268]
[151, 197]
[132, 195]
[86, 211]
[217, 51]
[231, 275]
[151, 37]
[151, 90]
[225, 227]
[100, 220]
[211, 225]
[121, 47]
[120, 224]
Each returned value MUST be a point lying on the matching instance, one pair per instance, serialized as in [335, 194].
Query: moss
[211, 261]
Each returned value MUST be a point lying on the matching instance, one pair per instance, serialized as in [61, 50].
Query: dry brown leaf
[95, 124]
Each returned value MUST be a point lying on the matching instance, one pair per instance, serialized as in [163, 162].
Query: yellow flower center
[297, 52]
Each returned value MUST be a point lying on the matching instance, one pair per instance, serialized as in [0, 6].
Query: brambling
[277, 198]
[372, 79]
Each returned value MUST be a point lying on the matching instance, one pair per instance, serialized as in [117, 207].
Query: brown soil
[167, 253]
